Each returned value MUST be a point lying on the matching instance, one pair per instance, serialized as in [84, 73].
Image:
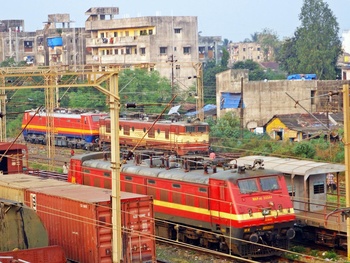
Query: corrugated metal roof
[293, 166]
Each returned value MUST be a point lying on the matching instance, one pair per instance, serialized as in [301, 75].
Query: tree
[225, 58]
[209, 80]
[269, 43]
[315, 46]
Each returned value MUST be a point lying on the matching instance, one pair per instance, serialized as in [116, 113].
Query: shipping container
[13, 186]
[79, 218]
[50, 254]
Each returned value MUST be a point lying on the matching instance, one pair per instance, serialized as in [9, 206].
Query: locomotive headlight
[265, 212]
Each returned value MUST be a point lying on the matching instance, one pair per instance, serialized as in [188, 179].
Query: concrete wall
[264, 99]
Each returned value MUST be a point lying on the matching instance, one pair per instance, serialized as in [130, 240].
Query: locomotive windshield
[95, 118]
[247, 186]
[199, 128]
[269, 183]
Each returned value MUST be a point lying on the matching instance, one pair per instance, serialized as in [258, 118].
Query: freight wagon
[78, 218]
[49, 254]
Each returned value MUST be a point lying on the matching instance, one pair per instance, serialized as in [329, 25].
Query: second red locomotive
[244, 211]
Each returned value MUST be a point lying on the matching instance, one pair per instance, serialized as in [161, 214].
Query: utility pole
[242, 109]
[347, 157]
[200, 97]
[46, 47]
[172, 60]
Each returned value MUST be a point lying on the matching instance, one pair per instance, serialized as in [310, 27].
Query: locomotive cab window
[190, 129]
[269, 183]
[247, 186]
[202, 128]
[95, 118]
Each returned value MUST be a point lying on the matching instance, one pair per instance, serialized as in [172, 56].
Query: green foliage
[10, 62]
[209, 81]
[85, 98]
[143, 87]
[315, 46]
[330, 254]
[256, 72]
[225, 58]
[269, 43]
[304, 150]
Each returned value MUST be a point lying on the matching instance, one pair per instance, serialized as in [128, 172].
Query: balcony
[116, 59]
[116, 41]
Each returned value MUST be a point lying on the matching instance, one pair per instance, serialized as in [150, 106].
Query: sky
[234, 20]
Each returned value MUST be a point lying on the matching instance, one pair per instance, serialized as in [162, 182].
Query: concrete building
[67, 44]
[245, 50]
[168, 44]
[256, 102]
[209, 48]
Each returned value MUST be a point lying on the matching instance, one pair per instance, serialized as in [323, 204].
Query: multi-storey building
[66, 44]
[209, 48]
[244, 51]
[168, 44]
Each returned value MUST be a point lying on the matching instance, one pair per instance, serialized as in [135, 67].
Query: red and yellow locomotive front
[254, 206]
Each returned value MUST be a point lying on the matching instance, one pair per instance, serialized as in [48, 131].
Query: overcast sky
[231, 19]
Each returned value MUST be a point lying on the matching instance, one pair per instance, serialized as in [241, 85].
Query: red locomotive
[244, 211]
[74, 129]
[92, 131]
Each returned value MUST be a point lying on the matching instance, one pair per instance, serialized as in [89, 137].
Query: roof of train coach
[294, 166]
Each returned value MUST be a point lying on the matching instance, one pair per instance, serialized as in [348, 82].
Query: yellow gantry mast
[53, 78]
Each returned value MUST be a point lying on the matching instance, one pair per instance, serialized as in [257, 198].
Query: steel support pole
[347, 157]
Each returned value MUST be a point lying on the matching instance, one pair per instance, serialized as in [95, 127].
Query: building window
[150, 32]
[122, 51]
[143, 32]
[143, 51]
[187, 50]
[162, 50]
[313, 93]
[28, 46]
[177, 30]
[319, 188]
[128, 51]
[116, 51]
[102, 35]
[126, 33]
[115, 34]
